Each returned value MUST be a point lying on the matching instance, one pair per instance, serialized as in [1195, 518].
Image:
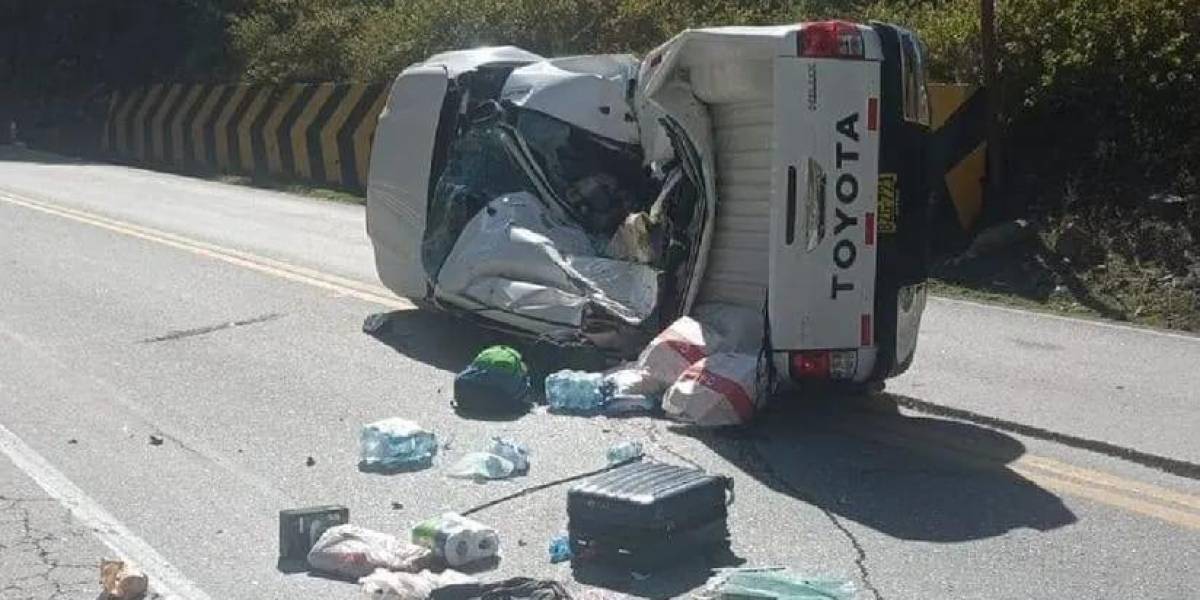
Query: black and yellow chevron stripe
[960, 149]
[315, 132]
[322, 132]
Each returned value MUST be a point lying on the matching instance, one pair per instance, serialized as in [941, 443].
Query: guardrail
[322, 133]
[315, 132]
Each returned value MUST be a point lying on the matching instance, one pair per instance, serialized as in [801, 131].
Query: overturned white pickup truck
[594, 199]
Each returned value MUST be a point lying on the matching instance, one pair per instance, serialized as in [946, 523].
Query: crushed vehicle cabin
[776, 173]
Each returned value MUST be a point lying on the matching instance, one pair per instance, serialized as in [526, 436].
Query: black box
[647, 515]
[300, 528]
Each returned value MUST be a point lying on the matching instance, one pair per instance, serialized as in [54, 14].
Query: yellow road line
[1133, 496]
[341, 285]
[1104, 480]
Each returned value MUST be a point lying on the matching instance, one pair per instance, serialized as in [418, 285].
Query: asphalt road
[1030, 456]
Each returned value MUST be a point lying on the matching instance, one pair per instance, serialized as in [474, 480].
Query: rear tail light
[830, 39]
[824, 364]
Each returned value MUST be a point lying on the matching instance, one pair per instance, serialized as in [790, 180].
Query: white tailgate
[822, 265]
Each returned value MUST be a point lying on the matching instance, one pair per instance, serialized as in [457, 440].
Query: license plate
[887, 203]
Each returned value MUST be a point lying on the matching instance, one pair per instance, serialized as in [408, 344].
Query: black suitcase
[646, 515]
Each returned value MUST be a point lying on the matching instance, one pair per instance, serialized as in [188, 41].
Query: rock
[121, 580]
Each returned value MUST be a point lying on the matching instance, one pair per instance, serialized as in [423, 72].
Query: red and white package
[723, 389]
[676, 348]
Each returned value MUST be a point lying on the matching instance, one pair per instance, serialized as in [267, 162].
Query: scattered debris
[645, 515]
[497, 381]
[300, 528]
[575, 391]
[632, 240]
[517, 588]
[503, 459]
[396, 443]
[515, 452]
[630, 390]
[353, 551]
[560, 548]
[723, 389]
[121, 580]
[481, 466]
[388, 585]
[310, 461]
[376, 322]
[623, 452]
[456, 539]
[622, 391]
[772, 584]
[156, 440]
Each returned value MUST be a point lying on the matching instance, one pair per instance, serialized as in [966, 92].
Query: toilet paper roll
[486, 544]
[458, 547]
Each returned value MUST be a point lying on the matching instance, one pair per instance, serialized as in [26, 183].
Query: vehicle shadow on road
[912, 478]
[450, 343]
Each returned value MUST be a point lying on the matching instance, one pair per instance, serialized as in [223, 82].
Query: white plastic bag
[676, 348]
[723, 389]
[712, 329]
[387, 585]
[353, 551]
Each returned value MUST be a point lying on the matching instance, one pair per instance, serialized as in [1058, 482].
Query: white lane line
[164, 578]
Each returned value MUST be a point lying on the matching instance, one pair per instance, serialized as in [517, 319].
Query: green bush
[1099, 91]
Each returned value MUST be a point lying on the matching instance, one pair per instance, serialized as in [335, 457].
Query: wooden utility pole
[991, 84]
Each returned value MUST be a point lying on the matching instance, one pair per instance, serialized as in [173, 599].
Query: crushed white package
[354, 551]
[388, 585]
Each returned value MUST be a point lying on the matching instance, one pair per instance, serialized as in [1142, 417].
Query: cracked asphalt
[44, 553]
[1052, 468]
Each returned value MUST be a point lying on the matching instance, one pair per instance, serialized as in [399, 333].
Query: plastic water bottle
[481, 465]
[396, 442]
[624, 452]
[575, 391]
[514, 452]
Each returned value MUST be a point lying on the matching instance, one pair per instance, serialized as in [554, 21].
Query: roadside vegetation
[1101, 101]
